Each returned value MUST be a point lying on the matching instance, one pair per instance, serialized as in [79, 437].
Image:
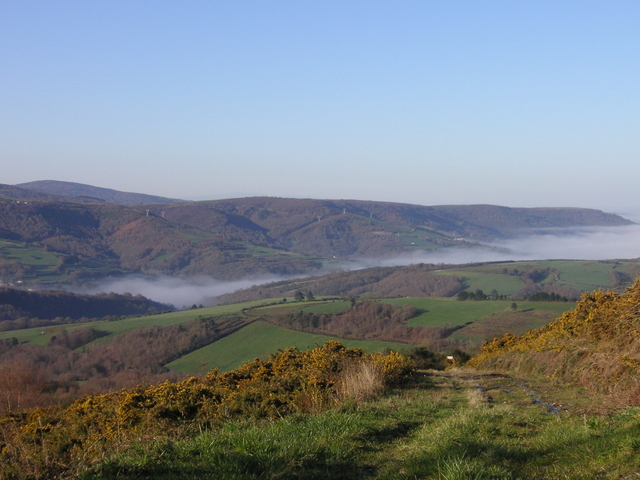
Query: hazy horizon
[627, 212]
[519, 104]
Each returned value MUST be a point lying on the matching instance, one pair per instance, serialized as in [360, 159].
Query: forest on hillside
[48, 240]
[25, 309]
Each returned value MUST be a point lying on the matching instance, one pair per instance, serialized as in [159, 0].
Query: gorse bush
[596, 345]
[45, 443]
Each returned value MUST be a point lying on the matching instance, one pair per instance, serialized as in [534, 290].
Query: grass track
[442, 428]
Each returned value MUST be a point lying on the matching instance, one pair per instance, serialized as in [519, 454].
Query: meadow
[258, 340]
[40, 336]
[434, 312]
[486, 278]
[578, 274]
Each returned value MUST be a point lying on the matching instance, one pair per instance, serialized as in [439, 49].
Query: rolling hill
[82, 236]
[82, 192]
[518, 410]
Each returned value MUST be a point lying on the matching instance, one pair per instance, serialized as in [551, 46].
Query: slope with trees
[230, 239]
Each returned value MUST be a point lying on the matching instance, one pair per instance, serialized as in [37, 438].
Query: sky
[522, 104]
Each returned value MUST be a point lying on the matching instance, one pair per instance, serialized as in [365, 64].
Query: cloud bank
[179, 292]
[602, 243]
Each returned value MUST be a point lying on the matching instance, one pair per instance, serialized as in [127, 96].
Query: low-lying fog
[587, 243]
[580, 244]
[179, 292]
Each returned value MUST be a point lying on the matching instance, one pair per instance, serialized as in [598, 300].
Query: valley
[465, 356]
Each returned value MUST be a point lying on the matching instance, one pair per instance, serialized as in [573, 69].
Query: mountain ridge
[234, 238]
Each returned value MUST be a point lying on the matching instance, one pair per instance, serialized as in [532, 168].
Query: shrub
[47, 441]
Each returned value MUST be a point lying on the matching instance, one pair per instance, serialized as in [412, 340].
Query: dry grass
[596, 346]
[360, 381]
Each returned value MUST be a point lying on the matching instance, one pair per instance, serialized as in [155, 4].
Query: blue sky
[512, 103]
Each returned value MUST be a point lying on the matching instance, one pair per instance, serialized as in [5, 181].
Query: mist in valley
[603, 243]
[588, 243]
[179, 292]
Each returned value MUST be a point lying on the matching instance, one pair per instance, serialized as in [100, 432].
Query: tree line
[26, 309]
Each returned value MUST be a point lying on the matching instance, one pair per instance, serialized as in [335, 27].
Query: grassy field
[512, 321]
[257, 341]
[454, 425]
[260, 339]
[437, 311]
[479, 278]
[579, 274]
[36, 336]
[328, 307]
[584, 275]
[314, 307]
[13, 251]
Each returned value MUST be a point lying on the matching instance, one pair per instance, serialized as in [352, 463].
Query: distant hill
[70, 240]
[88, 192]
[20, 308]
[353, 228]
[13, 192]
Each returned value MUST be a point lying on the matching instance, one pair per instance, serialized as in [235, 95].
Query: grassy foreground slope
[458, 424]
[596, 346]
[442, 427]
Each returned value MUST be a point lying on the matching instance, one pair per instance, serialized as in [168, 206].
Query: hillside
[517, 280]
[351, 228]
[23, 309]
[82, 192]
[58, 242]
[330, 412]
[55, 242]
[517, 410]
[13, 192]
[595, 346]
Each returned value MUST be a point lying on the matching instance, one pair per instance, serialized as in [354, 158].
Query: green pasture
[579, 274]
[36, 336]
[311, 306]
[161, 257]
[438, 311]
[280, 309]
[260, 251]
[195, 237]
[474, 279]
[12, 251]
[582, 275]
[327, 307]
[258, 340]
[516, 322]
